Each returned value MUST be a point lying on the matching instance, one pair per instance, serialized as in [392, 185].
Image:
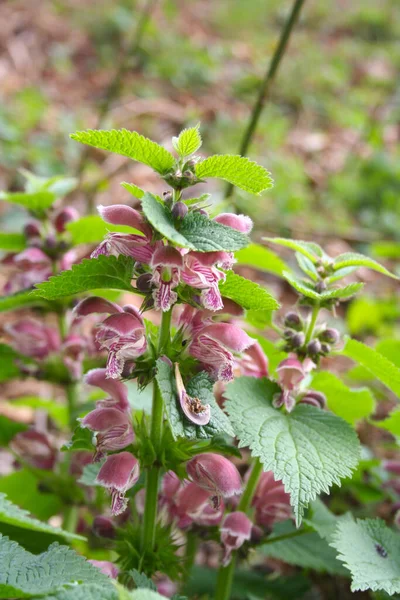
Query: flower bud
[241, 223]
[119, 473]
[298, 340]
[167, 197]
[294, 321]
[191, 163]
[235, 530]
[179, 210]
[106, 567]
[166, 587]
[203, 212]
[34, 448]
[317, 399]
[325, 348]
[288, 334]
[103, 527]
[216, 474]
[64, 216]
[330, 336]
[143, 282]
[314, 347]
[32, 229]
[270, 500]
[320, 286]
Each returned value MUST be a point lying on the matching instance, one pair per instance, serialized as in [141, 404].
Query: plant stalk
[266, 83]
[156, 432]
[313, 321]
[190, 553]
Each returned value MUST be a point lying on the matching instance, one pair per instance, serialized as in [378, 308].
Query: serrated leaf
[90, 473]
[11, 514]
[352, 259]
[201, 387]
[377, 364]
[261, 258]
[37, 202]
[88, 591]
[237, 170]
[188, 142]
[92, 229]
[309, 249]
[133, 189]
[371, 552]
[81, 440]
[12, 242]
[309, 550]
[324, 522]
[130, 144]
[248, 294]
[160, 218]
[104, 272]
[307, 266]
[141, 580]
[309, 449]
[206, 235]
[303, 287]
[19, 300]
[352, 405]
[307, 289]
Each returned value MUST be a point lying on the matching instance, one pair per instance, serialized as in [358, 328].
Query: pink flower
[32, 265]
[165, 586]
[235, 530]
[241, 223]
[254, 363]
[291, 373]
[116, 389]
[200, 272]
[166, 263]
[118, 474]
[314, 398]
[215, 474]
[192, 504]
[73, 349]
[122, 334]
[271, 502]
[63, 216]
[113, 428]
[34, 338]
[35, 448]
[106, 567]
[193, 409]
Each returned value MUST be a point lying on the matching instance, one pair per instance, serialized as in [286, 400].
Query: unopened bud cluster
[295, 336]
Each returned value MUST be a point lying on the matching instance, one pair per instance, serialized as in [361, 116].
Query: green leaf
[11, 514]
[22, 488]
[307, 266]
[160, 218]
[81, 440]
[58, 412]
[377, 364]
[206, 235]
[57, 184]
[8, 366]
[323, 520]
[37, 202]
[308, 550]
[133, 189]
[8, 429]
[201, 387]
[248, 294]
[19, 300]
[261, 258]
[386, 249]
[12, 242]
[188, 142]
[130, 144]
[25, 575]
[309, 249]
[309, 449]
[88, 591]
[238, 170]
[307, 289]
[142, 581]
[351, 405]
[92, 229]
[90, 473]
[104, 272]
[352, 259]
[371, 552]
[391, 423]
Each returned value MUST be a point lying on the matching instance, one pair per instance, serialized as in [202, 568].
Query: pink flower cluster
[291, 374]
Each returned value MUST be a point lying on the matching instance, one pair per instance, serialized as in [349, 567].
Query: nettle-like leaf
[142, 581]
[310, 250]
[92, 229]
[309, 449]
[104, 272]
[12, 242]
[309, 551]
[11, 514]
[371, 552]
[161, 219]
[352, 259]
[130, 144]
[20, 300]
[133, 189]
[350, 404]
[57, 184]
[248, 294]
[307, 289]
[377, 364]
[188, 142]
[89, 591]
[82, 439]
[36, 202]
[90, 473]
[238, 170]
[200, 387]
[26, 575]
[261, 258]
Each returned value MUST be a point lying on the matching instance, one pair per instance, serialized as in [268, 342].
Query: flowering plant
[181, 490]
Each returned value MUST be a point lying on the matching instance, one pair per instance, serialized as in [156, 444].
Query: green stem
[265, 86]
[225, 574]
[287, 536]
[71, 391]
[313, 321]
[156, 432]
[70, 520]
[190, 553]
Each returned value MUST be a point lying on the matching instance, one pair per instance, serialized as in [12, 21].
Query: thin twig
[265, 86]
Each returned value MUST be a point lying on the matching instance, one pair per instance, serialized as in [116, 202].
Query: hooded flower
[116, 389]
[215, 474]
[291, 373]
[193, 408]
[271, 502]
[113, 429]
[34, 338]
[122, 334]
[192, 505]
[166, 263]
[235, 530]
[35, 448]
[200, 272]
[118, 474]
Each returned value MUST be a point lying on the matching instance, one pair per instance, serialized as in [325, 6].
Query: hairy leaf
[81, 440]
[12, 242]
[371, 552]
[25, 575]
[238, 170]
[352, 259]
[142, 581]
[248, 294]
[309, 449]
[377, 364]
[89, 591]
[160, 218]
[130, 144]
[188, 142]
[20, 299]
[104, 272]
[133, 189]
[309, 249]
[206, 235]
[261, 258]
[307, 289]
